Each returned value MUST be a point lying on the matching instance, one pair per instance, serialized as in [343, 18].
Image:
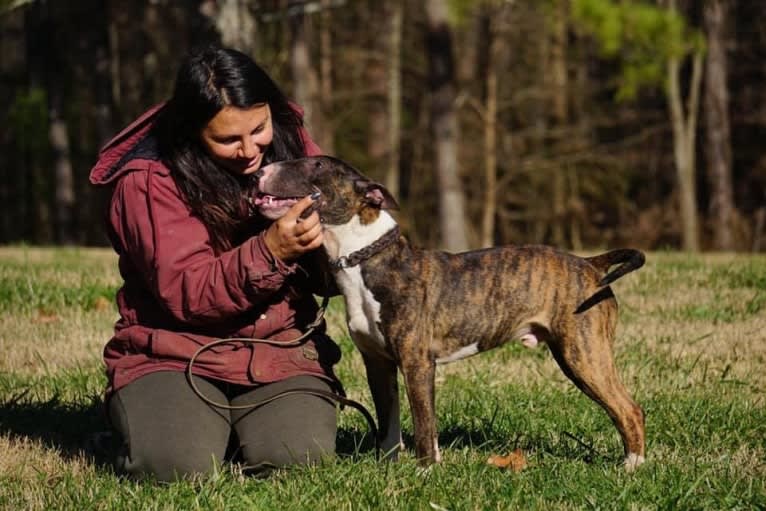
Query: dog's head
[345, 192]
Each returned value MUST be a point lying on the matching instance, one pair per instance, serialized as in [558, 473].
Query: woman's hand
[292, 236]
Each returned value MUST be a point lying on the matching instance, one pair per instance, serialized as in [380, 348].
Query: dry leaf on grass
[46, 317]
[516, 461]
[102, 304]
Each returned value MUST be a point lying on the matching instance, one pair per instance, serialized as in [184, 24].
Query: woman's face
[237, 138]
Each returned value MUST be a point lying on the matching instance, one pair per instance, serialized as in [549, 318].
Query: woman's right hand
[291, 236]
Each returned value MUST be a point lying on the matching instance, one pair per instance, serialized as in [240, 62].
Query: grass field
[691, 348]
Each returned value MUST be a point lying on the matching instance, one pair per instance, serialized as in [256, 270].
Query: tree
[394, 96]
[41, 62]
[236, 24]
[558, 89]
[444, 126]
[498, 25]
[326, 136]
[684, 122]
[376, 72]
[651, 43]
[717, 125]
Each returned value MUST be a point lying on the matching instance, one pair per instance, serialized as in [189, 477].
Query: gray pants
[169, 432]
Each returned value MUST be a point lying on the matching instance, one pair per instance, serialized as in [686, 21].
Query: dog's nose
[266, 171]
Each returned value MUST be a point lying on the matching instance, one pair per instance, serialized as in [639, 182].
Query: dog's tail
[628, 258]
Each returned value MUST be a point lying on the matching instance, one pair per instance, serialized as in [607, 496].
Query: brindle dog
[414, 309]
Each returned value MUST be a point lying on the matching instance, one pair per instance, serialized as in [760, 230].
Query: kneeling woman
[200, 265]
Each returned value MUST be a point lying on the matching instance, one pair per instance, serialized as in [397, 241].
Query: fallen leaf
[516, 461]
[102, 304]
[46, 317]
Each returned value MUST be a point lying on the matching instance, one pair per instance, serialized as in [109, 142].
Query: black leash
[342, 400]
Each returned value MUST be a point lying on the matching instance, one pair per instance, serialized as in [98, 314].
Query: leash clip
[340, 263]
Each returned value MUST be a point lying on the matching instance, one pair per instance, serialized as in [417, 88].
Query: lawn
[691, 348]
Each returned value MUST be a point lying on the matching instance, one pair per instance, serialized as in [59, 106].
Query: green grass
[691, 348]
[31, 282]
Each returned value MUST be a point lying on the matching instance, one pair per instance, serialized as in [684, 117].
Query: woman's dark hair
[207, 81]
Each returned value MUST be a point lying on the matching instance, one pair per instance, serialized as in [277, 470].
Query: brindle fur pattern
[432, 304]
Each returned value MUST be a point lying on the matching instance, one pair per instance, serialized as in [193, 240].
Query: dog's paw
[424, 470]
[633, 461]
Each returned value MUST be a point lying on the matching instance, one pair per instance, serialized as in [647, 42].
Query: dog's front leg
[381, 377]
[419, 377]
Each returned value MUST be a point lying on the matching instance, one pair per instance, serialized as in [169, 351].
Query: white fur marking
[465, 351]
[354, 235]
[362, 309]
[633, 461]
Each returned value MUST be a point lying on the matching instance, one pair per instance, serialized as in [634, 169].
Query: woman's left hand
[292, 236]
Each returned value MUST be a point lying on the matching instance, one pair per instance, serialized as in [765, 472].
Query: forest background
[579, 123]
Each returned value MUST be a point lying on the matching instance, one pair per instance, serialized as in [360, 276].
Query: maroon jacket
[180, 294]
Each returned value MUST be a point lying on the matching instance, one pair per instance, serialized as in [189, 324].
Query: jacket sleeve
[171, 249]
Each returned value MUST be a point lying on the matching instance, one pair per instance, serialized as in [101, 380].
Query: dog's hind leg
[589, 363]
[381, 377]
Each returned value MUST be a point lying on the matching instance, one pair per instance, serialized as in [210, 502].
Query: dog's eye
[317, 164]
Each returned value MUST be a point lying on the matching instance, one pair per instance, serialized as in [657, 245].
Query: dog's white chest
[362, 310]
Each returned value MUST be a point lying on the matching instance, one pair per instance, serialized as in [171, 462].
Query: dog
[412, 309]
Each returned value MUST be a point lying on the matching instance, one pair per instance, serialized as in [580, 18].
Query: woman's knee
[173, 462]
[168, 432]
[295, 429]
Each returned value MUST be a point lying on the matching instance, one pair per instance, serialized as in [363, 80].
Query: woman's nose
[249, 148]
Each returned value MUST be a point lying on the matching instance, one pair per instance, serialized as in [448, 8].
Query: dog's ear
[377, 195]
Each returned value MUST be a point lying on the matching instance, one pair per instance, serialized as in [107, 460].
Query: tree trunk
[236, 24]
[305, 78]
[64, 196]
[684, 142]
[326, 136]
[114, 54]
[498, 49]
[444, 126]
[560, 115]
[13, 65]
[56, 66]
[39, 41]
[129, 45]
[717, 126]
[394, 97]
[376, 78]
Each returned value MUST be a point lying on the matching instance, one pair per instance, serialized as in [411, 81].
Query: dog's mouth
[271, 206]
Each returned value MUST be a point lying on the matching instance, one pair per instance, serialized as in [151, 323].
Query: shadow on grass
[83, 431]
[563, 446]
[74, 430]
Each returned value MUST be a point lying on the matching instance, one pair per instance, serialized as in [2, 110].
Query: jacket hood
[112, 157]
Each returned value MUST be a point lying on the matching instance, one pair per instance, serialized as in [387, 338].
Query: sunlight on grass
[691, 347]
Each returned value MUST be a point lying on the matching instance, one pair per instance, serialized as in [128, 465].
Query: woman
[199, 265]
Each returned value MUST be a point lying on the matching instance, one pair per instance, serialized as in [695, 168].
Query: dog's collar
[367, 252]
